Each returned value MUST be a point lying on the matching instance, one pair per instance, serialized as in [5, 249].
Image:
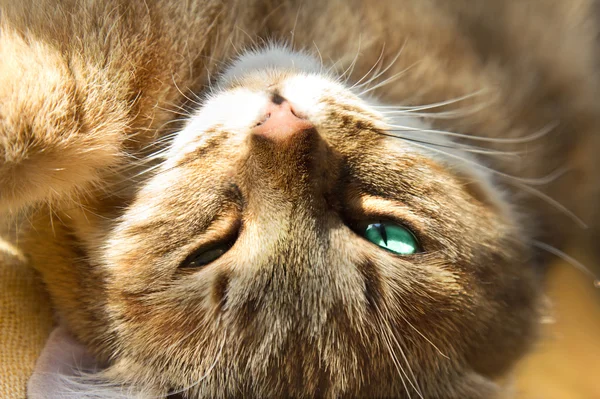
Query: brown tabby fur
[300, 306]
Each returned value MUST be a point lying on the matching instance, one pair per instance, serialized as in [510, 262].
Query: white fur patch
[65, 370]
[232, 111]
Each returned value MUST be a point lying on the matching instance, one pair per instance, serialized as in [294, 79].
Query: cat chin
[273, 56]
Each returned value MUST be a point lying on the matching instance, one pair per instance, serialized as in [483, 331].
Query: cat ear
[63, 371]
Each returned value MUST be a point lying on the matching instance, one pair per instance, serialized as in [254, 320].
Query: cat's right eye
[204, 256]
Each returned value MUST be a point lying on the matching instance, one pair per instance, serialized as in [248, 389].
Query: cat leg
[58, 132]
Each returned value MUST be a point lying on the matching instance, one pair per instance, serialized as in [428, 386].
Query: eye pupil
[392, 237]
[382, 232]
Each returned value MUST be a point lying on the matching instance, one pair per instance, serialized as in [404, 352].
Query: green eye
[394, 238]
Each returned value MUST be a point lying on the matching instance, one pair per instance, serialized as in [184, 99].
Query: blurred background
[565, 363]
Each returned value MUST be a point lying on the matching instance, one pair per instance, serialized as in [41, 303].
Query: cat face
[326, 259]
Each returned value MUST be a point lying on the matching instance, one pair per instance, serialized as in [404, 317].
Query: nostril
[277, 99]
[278, 104]
[297, 114]
[263, 120]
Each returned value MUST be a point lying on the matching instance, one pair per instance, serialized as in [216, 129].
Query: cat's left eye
[392, 237]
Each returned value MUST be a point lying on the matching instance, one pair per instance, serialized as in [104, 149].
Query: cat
[306, 199]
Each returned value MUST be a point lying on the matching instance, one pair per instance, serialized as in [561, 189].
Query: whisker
[432, 105]
[569, 259]
[530, 181]
[181, 92]
[372, 68]
[390, 79]
[437, 115]
[423, 336]
[379, 74]
[320, 55]
[177, 110]
[457, 146]
[551, 201]
[520, 140]
[252, 40]
[397, 365]
[268, 16]
[374, 74]
[413, 382]
[453, 114]
[164, 139]
[142, 173]
[210, 368]
[350, 69]
[523, 183]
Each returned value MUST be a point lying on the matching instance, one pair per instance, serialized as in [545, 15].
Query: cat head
[292, 244]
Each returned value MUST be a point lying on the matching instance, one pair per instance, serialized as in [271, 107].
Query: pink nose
[281, 122]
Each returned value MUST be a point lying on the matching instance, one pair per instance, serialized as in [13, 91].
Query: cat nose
[281, 121]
